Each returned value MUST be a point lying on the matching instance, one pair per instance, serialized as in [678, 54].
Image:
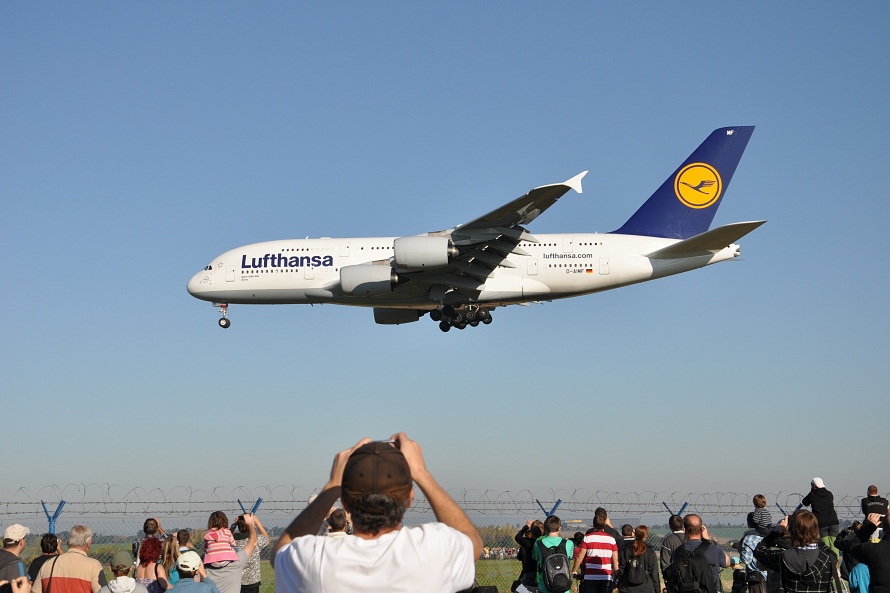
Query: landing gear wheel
[456, 318]
[487, 319]
[448, 310]
[224, 309]
[461, 325]
[444, 326]
[474, 323]
[436, 315]
[470, 315]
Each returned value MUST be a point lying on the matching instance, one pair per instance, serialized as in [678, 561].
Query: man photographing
[374, 481]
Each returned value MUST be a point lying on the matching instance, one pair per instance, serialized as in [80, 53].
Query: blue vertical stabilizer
[685, 204]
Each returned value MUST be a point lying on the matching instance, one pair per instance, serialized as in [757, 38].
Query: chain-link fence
[116, 515]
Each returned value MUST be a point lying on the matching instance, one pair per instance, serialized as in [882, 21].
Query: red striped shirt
[598, 548]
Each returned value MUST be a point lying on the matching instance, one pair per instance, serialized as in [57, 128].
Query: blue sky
[141, 140]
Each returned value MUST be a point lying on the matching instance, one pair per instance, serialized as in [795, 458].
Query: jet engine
[396, 316]
[367, 279]
[423, 252]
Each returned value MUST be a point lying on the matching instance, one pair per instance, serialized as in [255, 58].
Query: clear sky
[140, 140]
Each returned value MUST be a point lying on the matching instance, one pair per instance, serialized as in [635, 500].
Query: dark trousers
[595, 587]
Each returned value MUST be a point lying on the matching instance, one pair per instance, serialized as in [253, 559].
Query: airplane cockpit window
[208, 268]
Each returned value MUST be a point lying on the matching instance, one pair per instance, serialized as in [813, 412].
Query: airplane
[460, 275]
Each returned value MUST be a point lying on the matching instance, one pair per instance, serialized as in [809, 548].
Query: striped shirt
[598, 547]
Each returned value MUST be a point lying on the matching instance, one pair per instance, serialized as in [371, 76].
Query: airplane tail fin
[685, 204]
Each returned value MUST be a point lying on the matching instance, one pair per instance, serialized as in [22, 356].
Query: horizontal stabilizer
[707, 242]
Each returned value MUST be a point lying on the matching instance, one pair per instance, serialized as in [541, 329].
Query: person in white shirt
[374, 481]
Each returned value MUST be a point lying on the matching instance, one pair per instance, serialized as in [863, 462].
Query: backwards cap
[376, 468]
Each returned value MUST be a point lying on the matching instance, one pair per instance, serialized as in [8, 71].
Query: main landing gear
[460, 317]
[224, 320]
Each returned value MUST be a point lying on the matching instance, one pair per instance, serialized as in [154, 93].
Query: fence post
[553, 510]
[256, 505]
[51, 519]
[682, 508]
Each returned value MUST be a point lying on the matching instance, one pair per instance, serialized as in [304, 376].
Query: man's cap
[188, 561]
[376, 468]
[818, 483]
[121, 559]
[15, 533]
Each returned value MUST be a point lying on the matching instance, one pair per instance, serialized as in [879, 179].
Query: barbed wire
[94, 499]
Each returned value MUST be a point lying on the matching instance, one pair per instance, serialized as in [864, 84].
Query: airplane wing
[484, 243]
[707, 242]
[522, 210]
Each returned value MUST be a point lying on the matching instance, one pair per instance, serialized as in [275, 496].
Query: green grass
[498, 573]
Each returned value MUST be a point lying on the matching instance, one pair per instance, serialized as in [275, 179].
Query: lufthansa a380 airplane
[459, 275]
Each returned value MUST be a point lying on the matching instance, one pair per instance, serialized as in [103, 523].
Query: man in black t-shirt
[873, 503]
[51, 546]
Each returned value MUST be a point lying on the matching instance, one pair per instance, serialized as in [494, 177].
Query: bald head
[692, 526]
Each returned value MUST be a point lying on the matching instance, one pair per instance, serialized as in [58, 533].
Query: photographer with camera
[374, 481]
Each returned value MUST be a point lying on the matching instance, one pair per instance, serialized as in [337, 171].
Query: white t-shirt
[432, 558]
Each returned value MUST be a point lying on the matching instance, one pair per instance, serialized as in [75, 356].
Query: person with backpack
[599, 556]
[808, 565]
[552, 553]
[695, 566]
[638, 566]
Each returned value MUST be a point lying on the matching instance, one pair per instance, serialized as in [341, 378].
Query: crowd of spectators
[361, 545]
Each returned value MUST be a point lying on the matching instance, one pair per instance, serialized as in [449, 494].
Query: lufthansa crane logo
[698, 185]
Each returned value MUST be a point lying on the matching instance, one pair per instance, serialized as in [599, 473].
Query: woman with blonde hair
[168, 559]
[638, 566]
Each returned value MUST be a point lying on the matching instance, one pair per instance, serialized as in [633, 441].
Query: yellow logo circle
[698, 185]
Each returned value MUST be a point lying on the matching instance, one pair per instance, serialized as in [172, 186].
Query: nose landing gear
[224, 320]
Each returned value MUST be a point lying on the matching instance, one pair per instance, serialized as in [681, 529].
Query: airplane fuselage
[304, 271]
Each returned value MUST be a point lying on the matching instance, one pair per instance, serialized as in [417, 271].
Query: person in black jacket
[807, 565]
[526, 539]
[873, 503]
[848, 562]
[638, 552]
[822, 502]
[874, 555]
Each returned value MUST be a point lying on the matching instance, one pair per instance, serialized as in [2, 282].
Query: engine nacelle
[423, 252]
[367, 279]
[396, 316]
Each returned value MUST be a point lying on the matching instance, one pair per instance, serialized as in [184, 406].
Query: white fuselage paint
[558, 266]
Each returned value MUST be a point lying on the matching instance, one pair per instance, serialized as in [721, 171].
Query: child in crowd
[219, 543]
[762, 517]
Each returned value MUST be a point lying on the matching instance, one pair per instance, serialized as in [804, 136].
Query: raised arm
[446, 510]
[251, 542]
[309, 520]
[259, 526]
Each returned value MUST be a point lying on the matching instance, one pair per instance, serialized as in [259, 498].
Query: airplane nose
[199, 281]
